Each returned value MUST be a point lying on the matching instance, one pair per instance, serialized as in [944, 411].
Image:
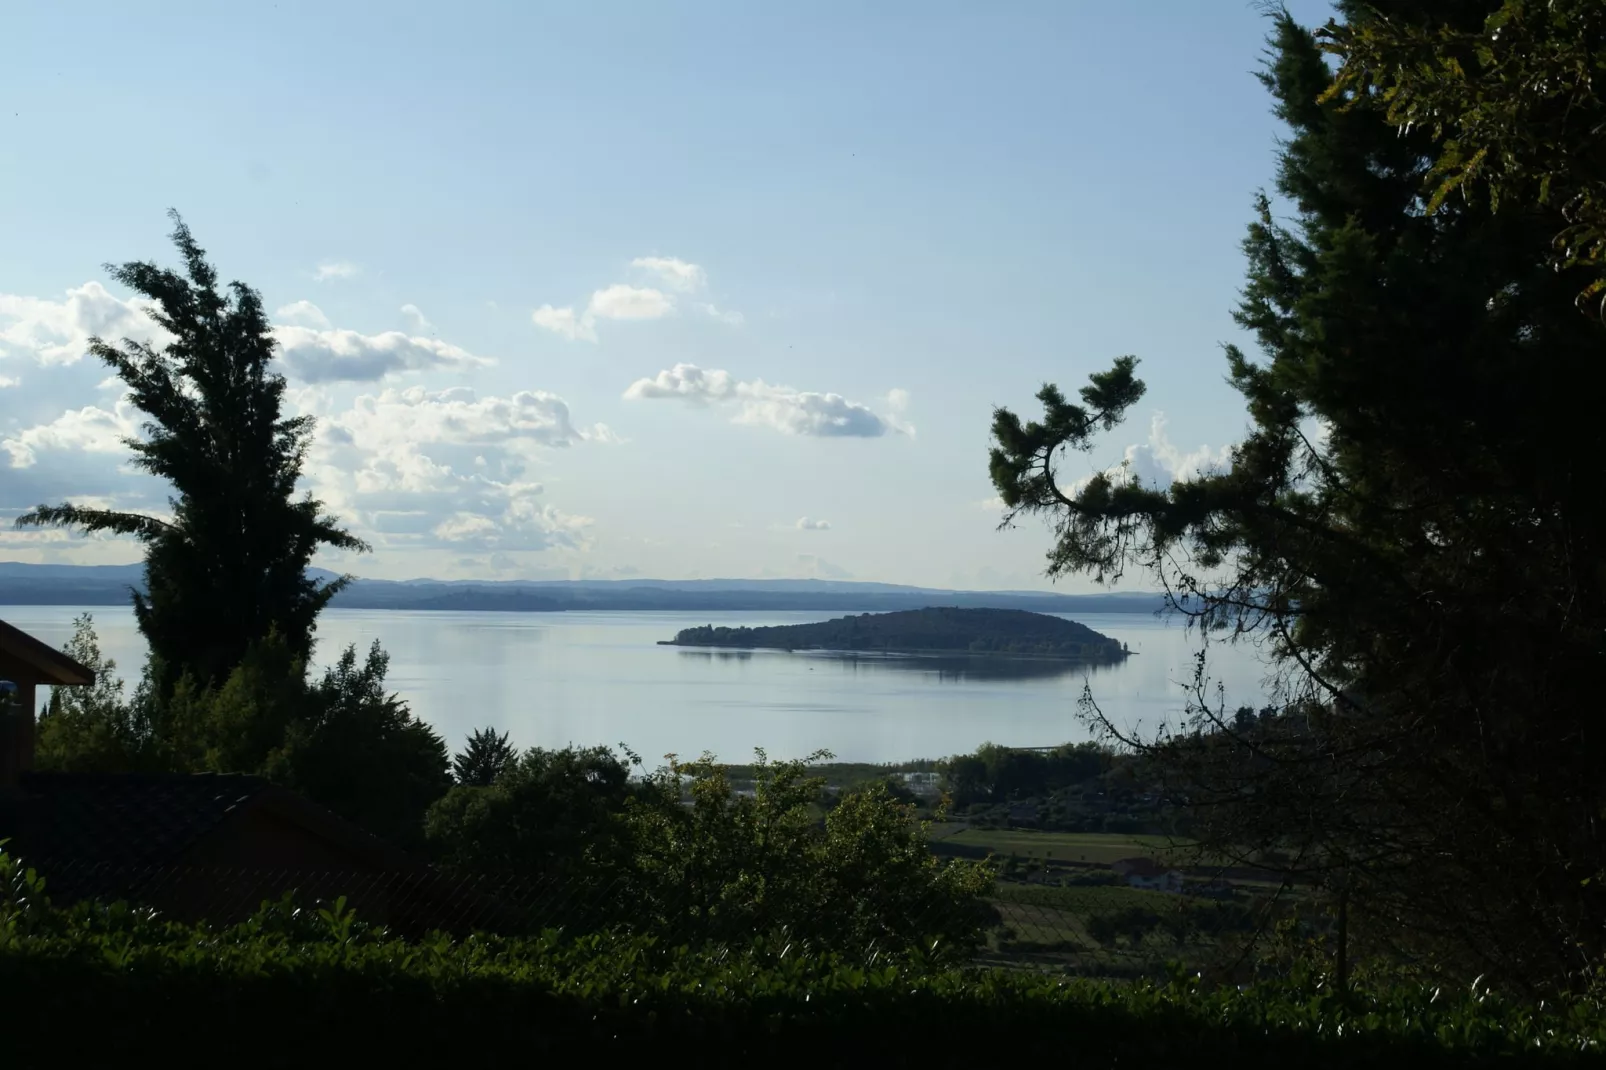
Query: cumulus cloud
[303, 314]
[675, 273]
[1158, 462]
[420, 468]
[335, 269]
[782, 408]
[321, 356]
[805, 524]
[563, 321]
[417, 318]
[623, 301]
[6, 380]
[90, 429]
[58, 332]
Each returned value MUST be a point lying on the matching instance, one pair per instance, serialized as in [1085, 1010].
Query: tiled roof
[123, 818]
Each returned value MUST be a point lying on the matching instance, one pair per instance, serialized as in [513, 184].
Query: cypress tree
[230, 567]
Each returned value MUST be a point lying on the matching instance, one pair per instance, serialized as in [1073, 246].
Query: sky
[611, 290]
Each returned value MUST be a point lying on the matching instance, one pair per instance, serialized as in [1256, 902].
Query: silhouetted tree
[1512, 89]
[483, 759]
[231, 564]
[1409, 524]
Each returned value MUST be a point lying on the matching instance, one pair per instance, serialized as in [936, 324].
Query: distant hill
[108, 585]
[933, 630]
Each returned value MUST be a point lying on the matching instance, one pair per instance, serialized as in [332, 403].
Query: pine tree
[1513, 88]
[484, 759]
[230, 567]
[1412, 521]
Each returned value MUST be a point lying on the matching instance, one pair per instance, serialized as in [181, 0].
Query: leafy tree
[549, 813]
[93, 729]
[1511, 90]
[728, 866]
[1407, 524]
[230, 566]
[483, 759]
[360, 751]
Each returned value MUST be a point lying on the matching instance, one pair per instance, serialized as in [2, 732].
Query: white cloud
[995, 504]
[793, 412]
[417, 318]
[563, 321]
[7, 381]
[303, 314]
[58, 332]
[417, 468]
[1158, 463]
[735, 319]
[91, 429]
[621, 302]
[335, 269]
[675, 273]
[321, 356]
[805, 524]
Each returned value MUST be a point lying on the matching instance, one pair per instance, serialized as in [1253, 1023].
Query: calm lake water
[556, 678]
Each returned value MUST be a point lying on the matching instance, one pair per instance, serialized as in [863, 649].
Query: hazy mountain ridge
[98, 585]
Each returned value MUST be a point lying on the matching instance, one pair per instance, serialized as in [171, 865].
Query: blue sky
[673, 290]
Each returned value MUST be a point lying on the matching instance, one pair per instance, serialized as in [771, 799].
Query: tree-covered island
[933, 630]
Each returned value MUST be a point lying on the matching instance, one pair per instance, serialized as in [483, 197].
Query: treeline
[1076, 787]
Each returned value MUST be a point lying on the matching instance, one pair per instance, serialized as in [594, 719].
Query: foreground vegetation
[297, 977]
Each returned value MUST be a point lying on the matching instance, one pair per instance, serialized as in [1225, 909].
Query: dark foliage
[549, 812]
[485, 757]
[1410, 525]
[1511, 88]
[307, 985]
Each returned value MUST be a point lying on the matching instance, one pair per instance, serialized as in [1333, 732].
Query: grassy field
[1097, 848]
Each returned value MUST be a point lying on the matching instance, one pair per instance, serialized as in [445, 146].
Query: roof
[49, 665]
[154, 819]
[125, 818]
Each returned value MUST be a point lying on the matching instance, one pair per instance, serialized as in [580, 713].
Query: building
[201, 846]
[1148, 874]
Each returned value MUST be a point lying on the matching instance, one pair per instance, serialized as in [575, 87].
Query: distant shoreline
[62, 585]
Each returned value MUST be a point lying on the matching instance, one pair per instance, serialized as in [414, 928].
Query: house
[26, 663]
[1148, 874]
[201, 846]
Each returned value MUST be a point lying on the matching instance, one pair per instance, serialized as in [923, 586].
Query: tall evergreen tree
[1412, 520]
[231, 565]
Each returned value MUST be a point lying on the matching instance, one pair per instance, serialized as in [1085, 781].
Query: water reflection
[953, 668]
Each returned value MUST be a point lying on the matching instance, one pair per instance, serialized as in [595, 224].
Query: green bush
[104, 985]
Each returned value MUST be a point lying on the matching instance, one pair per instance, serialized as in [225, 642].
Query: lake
[551, 679]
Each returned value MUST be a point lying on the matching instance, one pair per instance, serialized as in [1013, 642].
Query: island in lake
[934, 630]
